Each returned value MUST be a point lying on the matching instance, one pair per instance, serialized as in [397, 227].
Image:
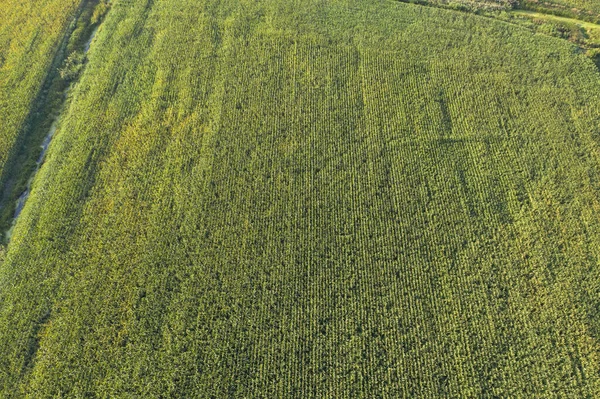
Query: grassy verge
[559, 10]
[551, 17]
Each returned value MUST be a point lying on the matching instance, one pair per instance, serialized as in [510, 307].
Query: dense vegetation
[301, 199]
[588, 10]
[477, 6]
[30, 34]
[559, 19]
[35, 83]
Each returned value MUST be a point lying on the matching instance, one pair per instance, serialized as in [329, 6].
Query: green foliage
[594, 54]
[585, 35]
[587, 10]
[72, 66]
[475, 6]
[563, 30]
[92, 13]
[312, 199]
[30, 34]
[67, 63]
[99, 12]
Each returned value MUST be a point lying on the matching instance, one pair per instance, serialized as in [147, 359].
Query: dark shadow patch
[33, 344]
[447, 125]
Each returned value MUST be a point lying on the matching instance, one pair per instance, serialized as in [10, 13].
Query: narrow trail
[22, 200]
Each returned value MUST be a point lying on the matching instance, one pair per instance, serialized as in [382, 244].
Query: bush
[72, 66]
[99, 12]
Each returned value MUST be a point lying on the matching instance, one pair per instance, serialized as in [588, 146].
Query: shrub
[99, 12]
[72, 66]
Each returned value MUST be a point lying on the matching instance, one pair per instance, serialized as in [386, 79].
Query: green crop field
[334, 199]
[30, 33]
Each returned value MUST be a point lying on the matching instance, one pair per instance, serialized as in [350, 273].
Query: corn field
[307, 199]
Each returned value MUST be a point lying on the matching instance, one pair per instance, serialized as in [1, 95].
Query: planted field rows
[244, 200]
